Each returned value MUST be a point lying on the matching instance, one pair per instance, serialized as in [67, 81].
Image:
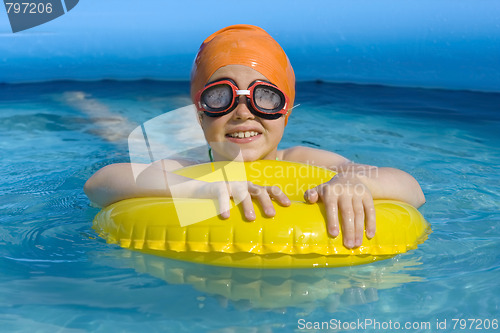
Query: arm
[383, 183]
[352, 192]
[117, 182]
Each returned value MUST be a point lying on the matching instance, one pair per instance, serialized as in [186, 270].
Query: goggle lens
[218, 97]
[268, 99]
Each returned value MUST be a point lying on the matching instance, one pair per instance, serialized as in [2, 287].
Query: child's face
[223, 133]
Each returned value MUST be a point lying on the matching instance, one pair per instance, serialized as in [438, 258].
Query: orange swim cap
[246, 45]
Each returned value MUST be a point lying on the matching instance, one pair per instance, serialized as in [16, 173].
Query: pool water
[56, 275]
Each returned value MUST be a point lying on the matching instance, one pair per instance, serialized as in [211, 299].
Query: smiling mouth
[241, 135]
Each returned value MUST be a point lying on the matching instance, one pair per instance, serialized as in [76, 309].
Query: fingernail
[349, 244]
[250, 216]
[225, 215]
[270, 212]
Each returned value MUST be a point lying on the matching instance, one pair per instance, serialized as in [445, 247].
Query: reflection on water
[327, 288]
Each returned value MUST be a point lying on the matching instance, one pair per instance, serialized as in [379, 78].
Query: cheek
[278, 129]
[210, 126]
[205, 126]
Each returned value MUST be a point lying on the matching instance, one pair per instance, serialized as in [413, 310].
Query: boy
[243, 86]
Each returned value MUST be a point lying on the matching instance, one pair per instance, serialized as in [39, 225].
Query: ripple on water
[456, 255]
[52, 239]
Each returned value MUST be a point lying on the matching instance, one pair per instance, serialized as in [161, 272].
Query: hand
[243, 193]
[355, 202]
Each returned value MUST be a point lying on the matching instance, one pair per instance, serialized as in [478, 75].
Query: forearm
[387, 183]
[123, 181]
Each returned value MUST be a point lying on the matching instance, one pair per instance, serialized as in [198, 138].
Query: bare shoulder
[313, 156]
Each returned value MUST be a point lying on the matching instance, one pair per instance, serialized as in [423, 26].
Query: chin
[250, 156]
[233, 152]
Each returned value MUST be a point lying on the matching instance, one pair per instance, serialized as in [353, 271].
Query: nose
[242, 111]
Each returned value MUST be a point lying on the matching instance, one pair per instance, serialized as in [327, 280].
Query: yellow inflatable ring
[295, 238]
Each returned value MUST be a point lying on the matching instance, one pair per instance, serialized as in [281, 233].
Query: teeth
[242, 135]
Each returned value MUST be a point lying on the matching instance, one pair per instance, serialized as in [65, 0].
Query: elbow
[419, 198]
[414, 194]
[411, 191]
[90, 185]
[97, 187]
[91, 191]
[87, 188]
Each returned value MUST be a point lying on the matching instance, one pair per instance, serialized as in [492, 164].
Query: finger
[223, 196]
[312, 195]
[239, 191]
[248, 208]
[371, 225]
[359, 221]
[332, 214]
[348, 229]
[243, 195]
[277, 194]
[262, 195]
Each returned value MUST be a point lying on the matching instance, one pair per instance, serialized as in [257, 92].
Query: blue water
[57, 276]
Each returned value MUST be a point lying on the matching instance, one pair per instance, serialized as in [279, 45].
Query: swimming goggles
[263, 99]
